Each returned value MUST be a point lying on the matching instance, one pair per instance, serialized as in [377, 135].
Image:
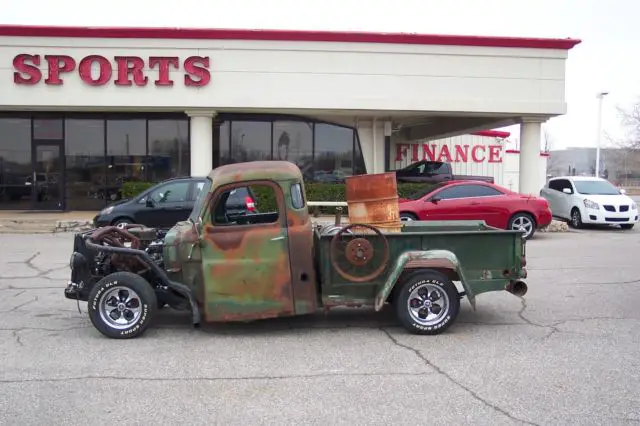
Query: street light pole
[600, 97]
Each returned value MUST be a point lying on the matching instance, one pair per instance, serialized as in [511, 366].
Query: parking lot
[568, 353]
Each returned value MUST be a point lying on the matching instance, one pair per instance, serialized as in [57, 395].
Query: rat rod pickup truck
[276, 264]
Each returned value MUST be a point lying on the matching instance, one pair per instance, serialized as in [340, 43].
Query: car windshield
[423, 191]
[595, 187]
[203, 188]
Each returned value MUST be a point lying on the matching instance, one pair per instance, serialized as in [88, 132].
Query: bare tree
[628, 157]
[548, 142]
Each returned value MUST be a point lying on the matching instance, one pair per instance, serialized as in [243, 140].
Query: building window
[15, 163]
[126, 152]
[168, 154]
[333, 160]
[48, 129]
[250, 141]
[85, 164]
[293, 141]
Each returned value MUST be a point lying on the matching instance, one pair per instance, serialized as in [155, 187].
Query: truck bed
[484, 252]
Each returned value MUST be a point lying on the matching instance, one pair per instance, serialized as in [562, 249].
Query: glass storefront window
[126, 154]
[293, 141]
[85, 164]
[15, 163]
[250, 141]
[48, 129]
[168, 149]
[333, 160]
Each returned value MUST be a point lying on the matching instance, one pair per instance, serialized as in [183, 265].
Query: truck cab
[257, 264]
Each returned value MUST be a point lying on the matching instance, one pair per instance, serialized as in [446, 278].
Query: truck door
[245, 258]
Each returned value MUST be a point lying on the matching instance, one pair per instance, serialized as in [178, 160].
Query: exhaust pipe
[518, 288]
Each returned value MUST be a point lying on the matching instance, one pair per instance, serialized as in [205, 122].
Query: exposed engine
[150, 240]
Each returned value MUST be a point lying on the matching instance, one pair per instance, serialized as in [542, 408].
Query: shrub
[131, 189]
[314, 192]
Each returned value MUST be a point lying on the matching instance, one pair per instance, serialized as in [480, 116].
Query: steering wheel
[359, 252]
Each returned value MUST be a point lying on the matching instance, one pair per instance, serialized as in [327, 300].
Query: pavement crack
[20, 329]
[213, 378]
[15, 308]
[17, 337]
[470, 391]
[19, 293]
[552, 328]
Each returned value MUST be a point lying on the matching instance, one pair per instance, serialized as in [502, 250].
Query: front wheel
[627, 226]
[427, 303]
[576, 218]
[122, 305]
[407, 217]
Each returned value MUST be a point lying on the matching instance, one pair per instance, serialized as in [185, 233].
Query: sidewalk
[30, 222]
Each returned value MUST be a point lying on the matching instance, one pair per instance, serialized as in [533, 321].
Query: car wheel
[576, 218]
[407, 217]
[122, 220]
[122, 305]
[627, 226]
[427, 303]
[524, 223]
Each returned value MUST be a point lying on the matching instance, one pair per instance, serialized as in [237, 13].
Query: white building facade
[83, 110]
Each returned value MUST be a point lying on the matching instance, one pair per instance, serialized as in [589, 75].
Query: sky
[606, 60]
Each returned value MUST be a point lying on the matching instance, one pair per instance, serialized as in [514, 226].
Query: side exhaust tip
[518, 288]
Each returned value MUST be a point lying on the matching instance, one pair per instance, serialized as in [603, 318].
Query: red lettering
[494, 153]
[462, 156]
[474, 156]
[444, 152]
[163, 63]
[401, 150]
[33, 74]
[427, 152]
[105, 70]
[192, 68]
[414, 152]
[130, 70]
[58, 64]
[130, 65]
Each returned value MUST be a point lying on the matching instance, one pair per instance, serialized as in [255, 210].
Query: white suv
[589, 200]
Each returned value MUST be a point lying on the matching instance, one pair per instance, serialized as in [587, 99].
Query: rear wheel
[524, 223]
[427, 303]
[123, 220]
[122, 305]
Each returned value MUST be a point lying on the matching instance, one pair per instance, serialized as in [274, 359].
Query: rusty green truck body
[277, 263]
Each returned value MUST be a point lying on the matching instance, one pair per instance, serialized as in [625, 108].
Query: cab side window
[247, 205]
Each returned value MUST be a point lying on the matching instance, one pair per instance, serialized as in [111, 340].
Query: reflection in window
[15, 163]
[293, 141]
[48, 129]
[175, 192]
[168, 149]
[250, 141]
[334, 153]
[223, 144]
[126, 150]
[85, 164]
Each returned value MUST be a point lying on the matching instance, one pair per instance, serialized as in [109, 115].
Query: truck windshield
[202, 189]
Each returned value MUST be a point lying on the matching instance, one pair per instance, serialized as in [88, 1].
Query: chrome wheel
[523, 224]
[427, 304]
[575, 218]
[120, 307]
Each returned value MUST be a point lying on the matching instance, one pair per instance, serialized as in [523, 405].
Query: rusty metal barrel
[373, 199]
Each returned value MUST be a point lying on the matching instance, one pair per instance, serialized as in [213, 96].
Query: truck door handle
[277, 238]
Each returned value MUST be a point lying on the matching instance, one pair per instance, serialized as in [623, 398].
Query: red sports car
[475, 200]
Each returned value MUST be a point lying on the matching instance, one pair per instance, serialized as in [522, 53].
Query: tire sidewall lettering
[445, 320]
[97, 299]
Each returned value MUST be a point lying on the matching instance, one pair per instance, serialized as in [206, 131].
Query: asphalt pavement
[568, 353]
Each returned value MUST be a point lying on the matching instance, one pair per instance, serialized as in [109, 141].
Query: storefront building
[83, 110]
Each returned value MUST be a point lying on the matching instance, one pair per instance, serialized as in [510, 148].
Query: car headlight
[590, 204]
[634, 206]
[106, 210]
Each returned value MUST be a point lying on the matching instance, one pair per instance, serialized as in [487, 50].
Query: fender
[417, 256]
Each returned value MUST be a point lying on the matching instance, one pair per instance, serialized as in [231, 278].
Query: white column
[530, 133]
[201, 135]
